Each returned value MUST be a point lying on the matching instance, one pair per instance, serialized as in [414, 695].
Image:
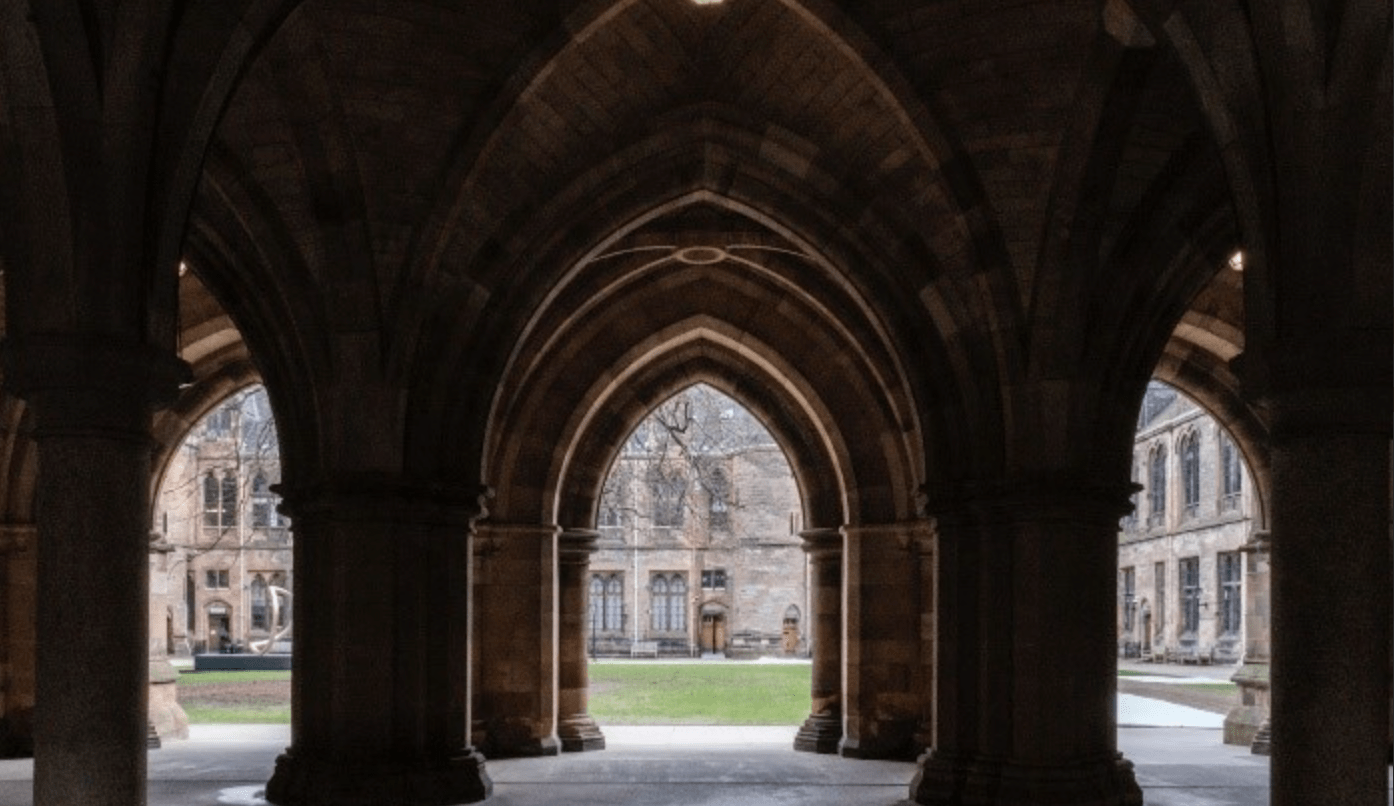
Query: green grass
[260, 714]
[621, 694]
[188, 679]
[1128, 673]
[699, 694]
[1218, 688]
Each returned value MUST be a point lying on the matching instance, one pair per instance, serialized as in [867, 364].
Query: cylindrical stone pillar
[1333, 597]
[575, 727]
[381, 691]
[1027, 676]
[822, 731]
[92, 407]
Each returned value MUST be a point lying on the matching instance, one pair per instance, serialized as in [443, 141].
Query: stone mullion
[822, 731]
[576, 728]
[381, 691]
[1026, 665]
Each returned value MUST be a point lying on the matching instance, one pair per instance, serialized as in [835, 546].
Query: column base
[309, 782]
[820, 733]
[948, 781]
[579, 734]
[882, 739]
[1263, 740]
[515, 739]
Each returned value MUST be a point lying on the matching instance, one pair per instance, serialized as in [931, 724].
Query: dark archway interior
[939, 248]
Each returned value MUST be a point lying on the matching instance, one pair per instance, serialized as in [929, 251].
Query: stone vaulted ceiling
[459, 196]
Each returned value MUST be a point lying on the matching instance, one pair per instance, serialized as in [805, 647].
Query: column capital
[90, 385]
[17, 537]
[821, 541]
[576, 546]
[917, 535]
[386, 498]
[1260, 542]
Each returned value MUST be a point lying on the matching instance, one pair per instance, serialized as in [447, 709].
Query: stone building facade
[1180, 554]
[219, 544]
[699, 549]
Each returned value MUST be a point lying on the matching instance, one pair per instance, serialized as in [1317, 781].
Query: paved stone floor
[227, 765]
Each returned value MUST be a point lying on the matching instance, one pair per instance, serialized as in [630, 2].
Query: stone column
[927, 556]
[516, 624]
[575, 727]
[92, 403]
[380, 695]
[822, 731]
[1333, 601]
[1244, 720]
[167, 717]
[1025, 709]
[18, 597]
[881, 647]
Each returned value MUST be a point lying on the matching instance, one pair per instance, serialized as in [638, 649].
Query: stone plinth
[166, 714]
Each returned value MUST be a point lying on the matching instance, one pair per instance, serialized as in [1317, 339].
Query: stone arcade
[939, 248]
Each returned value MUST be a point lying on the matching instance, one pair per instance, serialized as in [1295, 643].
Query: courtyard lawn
[211, 697]
[697, 693]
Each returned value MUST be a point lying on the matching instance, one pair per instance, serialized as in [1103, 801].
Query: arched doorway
[714, 632]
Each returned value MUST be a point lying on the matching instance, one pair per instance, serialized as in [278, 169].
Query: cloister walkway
[227, 765]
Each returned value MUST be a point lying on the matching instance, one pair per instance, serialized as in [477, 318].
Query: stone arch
[1214, 387]
[825, 23]
[657, 179]
[234, 243]
[586, 442]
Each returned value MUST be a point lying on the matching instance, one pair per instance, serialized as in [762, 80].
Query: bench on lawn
[641, 648]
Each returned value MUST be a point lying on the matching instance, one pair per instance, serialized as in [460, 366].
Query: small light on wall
[1236, 261]
[183, 268]
[707, 2]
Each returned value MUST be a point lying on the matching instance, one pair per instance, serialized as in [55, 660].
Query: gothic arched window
[1232, 475]
[597, 604]
[660, 604]
[212, 507]
[1190, 474]
[263, 505]
[1157, 487]
[668, 487]
[261, 605]
[677, 604]
[229, 500]
[614, 603]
